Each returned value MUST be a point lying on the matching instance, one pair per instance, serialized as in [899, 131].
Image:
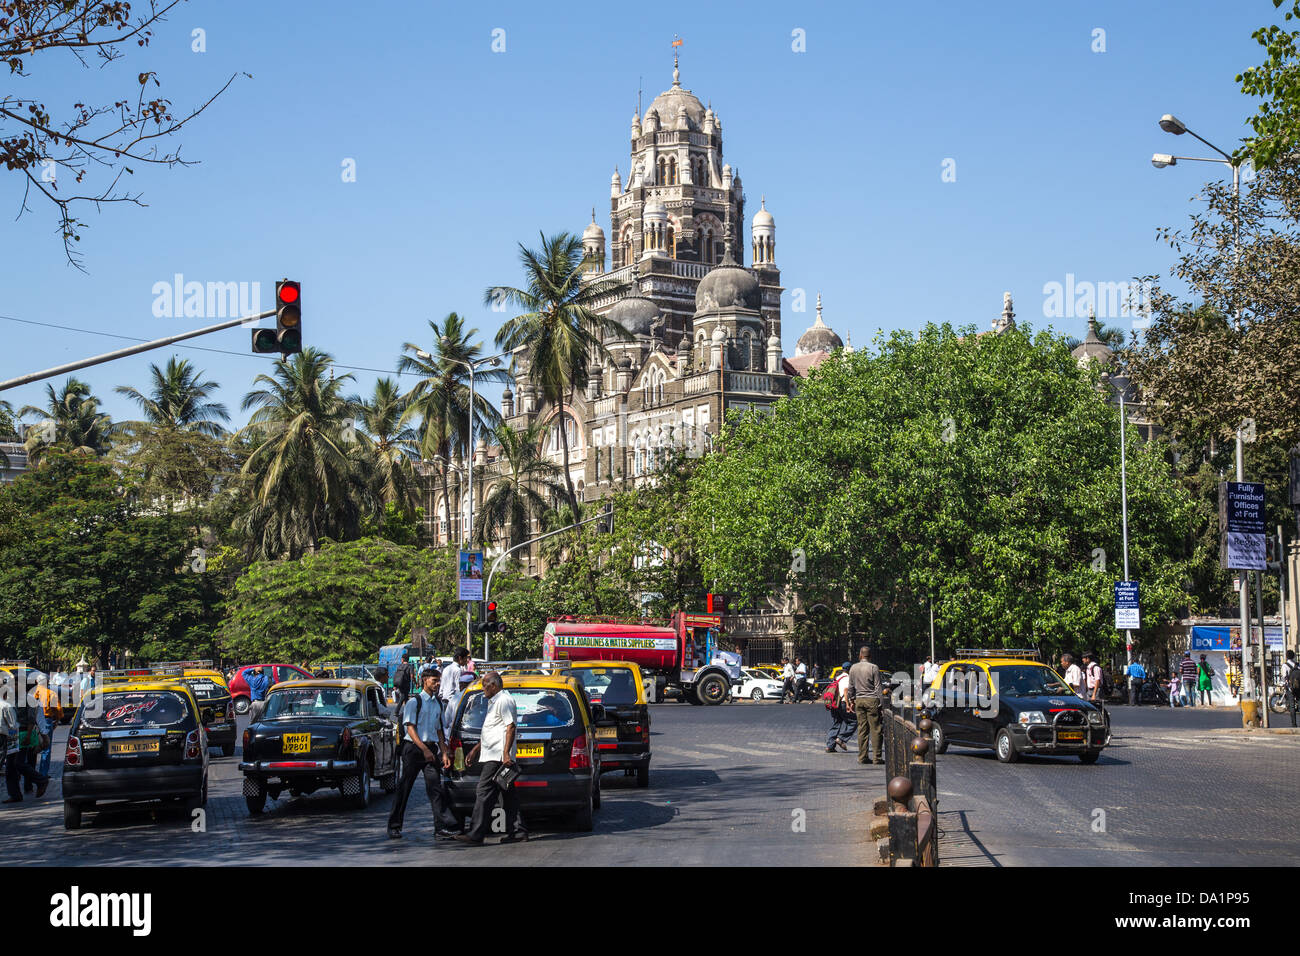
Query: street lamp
[1172, 124]
[1120, 383]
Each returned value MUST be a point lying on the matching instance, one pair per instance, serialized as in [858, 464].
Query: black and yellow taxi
[320, 733]
[623, 734]
[555, 746]
[1014, 705]
[135, 739]
[213, 694]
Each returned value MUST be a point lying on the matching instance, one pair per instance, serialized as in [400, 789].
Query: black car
[623, 734]
[1013, 707]
[316, 734]
[559, 762]
[135, 742]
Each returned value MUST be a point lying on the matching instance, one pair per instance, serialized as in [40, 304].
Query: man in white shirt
[497, 747]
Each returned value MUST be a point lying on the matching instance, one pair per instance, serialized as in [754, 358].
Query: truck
[680, 653]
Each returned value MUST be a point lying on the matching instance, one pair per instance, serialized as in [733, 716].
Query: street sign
[1241, 525]
[471, 576]
[1127, 610]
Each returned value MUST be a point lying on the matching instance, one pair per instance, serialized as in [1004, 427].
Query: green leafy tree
[980, 472]
[86, 563]
[559, 332]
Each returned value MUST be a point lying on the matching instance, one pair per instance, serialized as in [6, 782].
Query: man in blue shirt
[1136, 675]
[424, 751]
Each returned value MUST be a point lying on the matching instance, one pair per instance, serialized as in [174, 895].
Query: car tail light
[192, 740]
[72, 756]
[579, 759]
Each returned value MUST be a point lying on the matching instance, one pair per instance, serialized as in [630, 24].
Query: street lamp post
[1172, 124]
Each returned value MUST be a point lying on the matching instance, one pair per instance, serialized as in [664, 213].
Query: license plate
[297, 743]
[607, 732]
[530, 750]
[116, 747]
[1070, 735]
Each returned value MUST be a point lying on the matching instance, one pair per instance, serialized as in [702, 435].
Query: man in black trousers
[424, 751]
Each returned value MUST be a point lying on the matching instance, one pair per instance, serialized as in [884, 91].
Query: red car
[275, 672]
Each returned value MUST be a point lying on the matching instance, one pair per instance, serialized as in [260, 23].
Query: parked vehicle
[680, 653]
[318, 734]
[276, 673]
[134, 742]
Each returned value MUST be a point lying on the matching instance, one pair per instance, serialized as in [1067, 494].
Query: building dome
[727, 287]
[635, 313]
[819, 337]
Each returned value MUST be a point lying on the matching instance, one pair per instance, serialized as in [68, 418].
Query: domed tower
[593, 247]
[763, 229]
[819, 337]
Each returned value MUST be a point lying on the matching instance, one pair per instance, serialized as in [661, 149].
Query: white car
[757, 686]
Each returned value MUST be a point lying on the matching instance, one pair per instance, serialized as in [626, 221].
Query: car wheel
[1090, 757]
[712, 690]
[228, 750]
[643, 775]
[940, 738]
[585, 820]
[241, 705]
[756, 694]
[254, 795]
[361, 799]
[1006, 748]
[71, 815]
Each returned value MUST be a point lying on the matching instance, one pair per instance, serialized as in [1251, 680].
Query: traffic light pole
[132, 350]
[487, 587]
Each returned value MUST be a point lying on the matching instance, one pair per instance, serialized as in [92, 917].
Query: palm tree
[78, 423]
[304, 484]
[558, 330]
[391, 444]
[529, 483]
[178, 400]
[441, 395]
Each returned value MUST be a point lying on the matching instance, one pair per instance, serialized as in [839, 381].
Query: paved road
[731, 785]
[742, 784]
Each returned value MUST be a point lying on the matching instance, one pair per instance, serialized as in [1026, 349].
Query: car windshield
[536, 707]
[313, 702]
[136, 709]
[613, 685]
[1025, 680]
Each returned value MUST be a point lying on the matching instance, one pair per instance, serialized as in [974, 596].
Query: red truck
[680, 652]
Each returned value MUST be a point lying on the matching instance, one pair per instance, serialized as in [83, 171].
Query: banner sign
[470, 578]
[1241, 521]
[1128, 612]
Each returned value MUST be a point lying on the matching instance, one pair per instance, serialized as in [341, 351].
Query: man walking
[1136, 675]
[497, 747]
[864, 682]
[424, 751]
[844, 722]
[1188, 671]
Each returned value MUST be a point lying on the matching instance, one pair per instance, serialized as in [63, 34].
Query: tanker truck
[679, 653]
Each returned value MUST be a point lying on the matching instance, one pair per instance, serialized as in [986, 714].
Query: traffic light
[288, 316]
[286, 337]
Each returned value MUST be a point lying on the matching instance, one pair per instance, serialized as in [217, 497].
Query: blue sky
[461, 153]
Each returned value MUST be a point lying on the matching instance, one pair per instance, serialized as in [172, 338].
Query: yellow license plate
[607, 732]
[1070, 736]
[132, 747]
[530, 750]
[297, 743]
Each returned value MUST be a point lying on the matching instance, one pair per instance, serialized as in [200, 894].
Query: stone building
[706, 327]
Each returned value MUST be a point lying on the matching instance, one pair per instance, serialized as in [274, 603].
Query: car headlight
[1094, 717]
[1033, 717]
